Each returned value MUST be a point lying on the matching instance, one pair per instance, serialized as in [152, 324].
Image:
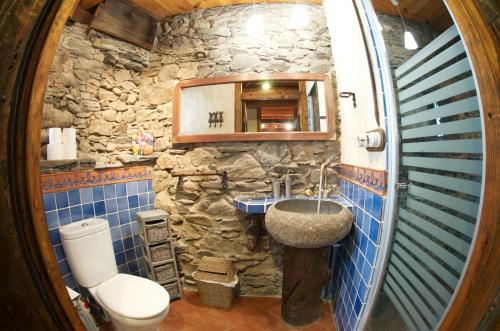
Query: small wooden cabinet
[158, 250]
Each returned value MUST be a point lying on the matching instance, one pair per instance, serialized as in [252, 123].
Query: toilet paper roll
[54, 152]
[69, 151]
[55, 136]
[69, 136]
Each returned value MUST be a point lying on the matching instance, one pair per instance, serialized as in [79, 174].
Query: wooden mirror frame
[254, 136]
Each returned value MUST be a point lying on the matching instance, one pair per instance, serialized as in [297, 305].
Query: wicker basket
[216, 281]
[164, 272]
[160, 252]
[156, 231]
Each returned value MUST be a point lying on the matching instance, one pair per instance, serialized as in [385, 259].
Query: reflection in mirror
[282, 106]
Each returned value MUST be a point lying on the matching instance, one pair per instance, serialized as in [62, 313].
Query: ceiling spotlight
[299, 17]
[410, 42]
[255, 24]
[266, 86]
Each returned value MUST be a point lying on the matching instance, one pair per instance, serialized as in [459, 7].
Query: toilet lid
[133, 297]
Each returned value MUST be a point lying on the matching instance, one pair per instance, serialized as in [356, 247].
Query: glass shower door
[440, 182]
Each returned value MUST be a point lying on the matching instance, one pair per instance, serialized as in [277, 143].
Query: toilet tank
[89, 250]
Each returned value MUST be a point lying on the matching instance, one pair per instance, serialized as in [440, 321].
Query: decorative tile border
[370, 179]
[64, 181]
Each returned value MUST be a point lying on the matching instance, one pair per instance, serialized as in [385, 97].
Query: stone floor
[246, 314]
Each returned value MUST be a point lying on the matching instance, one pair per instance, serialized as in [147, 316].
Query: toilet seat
[133, 297]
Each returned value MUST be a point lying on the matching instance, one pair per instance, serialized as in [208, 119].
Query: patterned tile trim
[77, 179]
[370, 179]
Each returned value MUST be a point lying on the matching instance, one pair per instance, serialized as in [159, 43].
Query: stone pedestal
[305, 271]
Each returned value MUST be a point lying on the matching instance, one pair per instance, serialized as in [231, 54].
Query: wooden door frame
[480, 281]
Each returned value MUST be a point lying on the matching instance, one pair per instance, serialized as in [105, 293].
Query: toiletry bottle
[288, 185]
[276, 189]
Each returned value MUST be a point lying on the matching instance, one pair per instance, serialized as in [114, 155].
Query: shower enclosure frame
[22, 88]
[457, 307]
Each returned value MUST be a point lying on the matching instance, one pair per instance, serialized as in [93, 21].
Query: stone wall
[109, 89]
[393, 32]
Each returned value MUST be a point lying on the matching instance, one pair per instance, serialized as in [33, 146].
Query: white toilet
[131, 303]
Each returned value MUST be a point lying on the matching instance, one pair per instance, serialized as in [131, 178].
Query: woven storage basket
[164, 272]
[160, 252]
[156, 231]
[216, 281]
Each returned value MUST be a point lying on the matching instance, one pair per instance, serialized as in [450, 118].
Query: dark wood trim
[253, 136]
[237, 107]
[32, 150]
[481, 279]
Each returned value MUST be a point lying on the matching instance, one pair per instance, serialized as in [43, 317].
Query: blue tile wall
[356, 258]
[118, 203]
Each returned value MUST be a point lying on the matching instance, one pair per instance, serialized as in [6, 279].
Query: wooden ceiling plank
[87, 4]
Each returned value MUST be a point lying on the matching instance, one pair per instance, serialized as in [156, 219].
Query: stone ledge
[49, 167]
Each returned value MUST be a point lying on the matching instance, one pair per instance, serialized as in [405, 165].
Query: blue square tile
[86, 195]
[62, 200]
[374, 227]
[100, 208]
[121, 190]
[363, 292]
[118, 246]
[366, 223]
[76, 213]
[54, 237]
[74, 197]
[135, 227]
[128, 243]
[88, 210]
[113, 220]
[64, 267]
[123, 269]
[116, 233]
[361, 197]
[97, 193]
[130, 255]
[143, 199]
[138, 251]
[132, 188]
[367, 273]
[133, 214]
[59, 252]
[133, 266]
[124, 217]
[126, 230]
[52, 219]
[111, 206]
[371, 252]
[377, 206]
[49, 201]
[357, 306]
[363, 244]
[137, 240]
[368, 201]
[110, 191]
[122, 203]
[142, 273]
[133, 201]
[64, 216]
[120, 258]
[142, 186]
[140, 261]
[69, 281]
[150, 184]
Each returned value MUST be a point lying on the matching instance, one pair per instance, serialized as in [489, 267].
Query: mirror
[280, 106]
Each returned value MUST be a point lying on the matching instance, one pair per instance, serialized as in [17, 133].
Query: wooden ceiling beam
[87, 4]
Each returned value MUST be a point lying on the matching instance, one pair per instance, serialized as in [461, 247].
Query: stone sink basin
[296, 223]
